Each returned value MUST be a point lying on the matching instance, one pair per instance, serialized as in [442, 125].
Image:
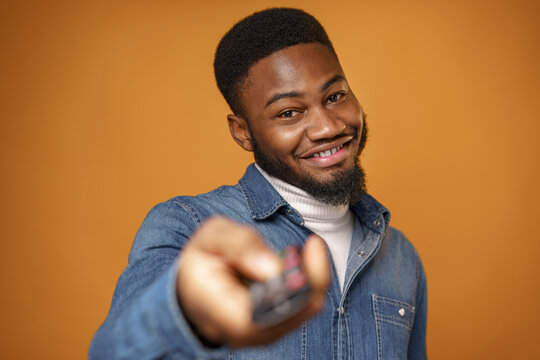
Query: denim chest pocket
[393, 323]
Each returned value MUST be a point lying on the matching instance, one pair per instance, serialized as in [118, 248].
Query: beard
[346, 186]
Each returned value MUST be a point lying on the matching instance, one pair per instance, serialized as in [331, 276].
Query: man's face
[305, 125]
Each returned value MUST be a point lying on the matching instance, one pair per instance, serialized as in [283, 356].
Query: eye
[288, 114]
[335, 97]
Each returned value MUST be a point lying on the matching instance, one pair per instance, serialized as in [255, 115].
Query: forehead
[297, 68]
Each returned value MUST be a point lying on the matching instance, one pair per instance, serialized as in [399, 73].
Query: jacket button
[361, 253]
[289, 211]
[401, 312]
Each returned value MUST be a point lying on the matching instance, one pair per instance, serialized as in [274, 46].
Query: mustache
[354, 134]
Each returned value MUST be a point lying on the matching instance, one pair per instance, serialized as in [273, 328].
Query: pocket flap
[393, 311]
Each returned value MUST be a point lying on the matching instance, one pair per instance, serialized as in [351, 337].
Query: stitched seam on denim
[246, 197]
[328, 293]
[304, 340]
[405, 326]
[417, 270]
[419, 301]
[338, 333]
[417, 282]
[377, 330]
[197, 219]
[341, 338]
[333, 328]
[395, 303]
[395, 321]
[348, 330]
[272, 210]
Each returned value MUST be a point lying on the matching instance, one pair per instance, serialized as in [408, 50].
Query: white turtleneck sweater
[333, 223]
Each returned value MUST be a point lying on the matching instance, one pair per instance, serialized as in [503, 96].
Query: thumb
[316, 263]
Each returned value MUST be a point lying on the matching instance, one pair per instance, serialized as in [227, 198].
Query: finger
[316, 263]
[241, 247]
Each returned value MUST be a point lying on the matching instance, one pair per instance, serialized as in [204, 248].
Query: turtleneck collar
[310, 208]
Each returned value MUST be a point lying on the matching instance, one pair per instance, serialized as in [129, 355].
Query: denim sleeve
[145, 321]
[417, 342]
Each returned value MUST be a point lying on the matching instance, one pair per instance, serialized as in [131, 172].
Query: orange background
[110, 107]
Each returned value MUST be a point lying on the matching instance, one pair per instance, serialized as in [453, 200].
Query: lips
[328, 149]
[328, 152]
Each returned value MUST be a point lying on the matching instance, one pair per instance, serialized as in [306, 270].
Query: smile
[328, 152]
[329, 157]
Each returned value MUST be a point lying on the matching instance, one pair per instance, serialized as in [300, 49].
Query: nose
[323, 124]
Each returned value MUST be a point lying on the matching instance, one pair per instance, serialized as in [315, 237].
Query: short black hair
[256, 37]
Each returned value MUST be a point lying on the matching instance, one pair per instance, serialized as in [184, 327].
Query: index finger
[239, 246]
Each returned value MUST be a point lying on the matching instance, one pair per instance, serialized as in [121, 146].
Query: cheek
[354, 115]
[286, 139]
[350, 110]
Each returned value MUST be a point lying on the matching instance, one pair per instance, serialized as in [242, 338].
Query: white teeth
[328, 152]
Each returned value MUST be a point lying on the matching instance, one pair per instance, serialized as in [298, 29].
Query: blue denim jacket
[381, 313]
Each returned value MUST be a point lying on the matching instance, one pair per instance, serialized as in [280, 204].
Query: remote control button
[295, 280]
[292, 260]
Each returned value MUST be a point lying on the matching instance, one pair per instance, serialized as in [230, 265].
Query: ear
[239, 131]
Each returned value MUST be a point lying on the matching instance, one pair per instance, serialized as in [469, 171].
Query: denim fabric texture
[381, 313]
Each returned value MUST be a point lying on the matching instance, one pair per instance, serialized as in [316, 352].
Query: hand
[217, 302]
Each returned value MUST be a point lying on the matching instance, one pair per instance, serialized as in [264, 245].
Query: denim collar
[263, 201]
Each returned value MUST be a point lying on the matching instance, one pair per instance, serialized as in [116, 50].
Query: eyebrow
[332, 81]
[276, 97]
[296, 94]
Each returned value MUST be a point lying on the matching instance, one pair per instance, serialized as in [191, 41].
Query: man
[183, 294]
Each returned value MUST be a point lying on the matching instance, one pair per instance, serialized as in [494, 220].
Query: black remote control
[282, 297]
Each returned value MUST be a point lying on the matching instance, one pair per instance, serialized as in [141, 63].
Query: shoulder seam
[191, 210]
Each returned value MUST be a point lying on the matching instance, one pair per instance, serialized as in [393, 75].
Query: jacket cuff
[173, 326]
